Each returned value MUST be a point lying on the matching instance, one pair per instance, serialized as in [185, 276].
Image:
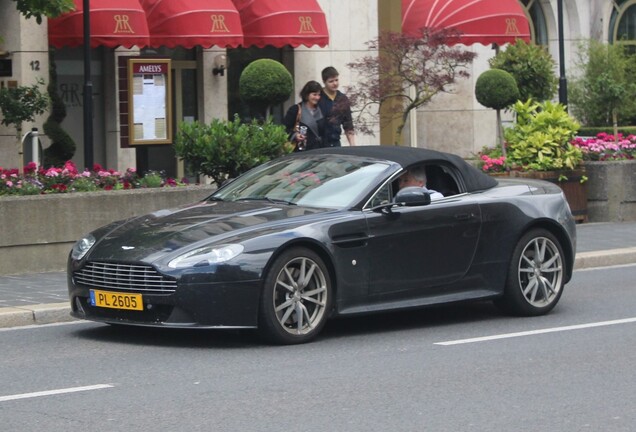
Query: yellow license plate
[115, 300]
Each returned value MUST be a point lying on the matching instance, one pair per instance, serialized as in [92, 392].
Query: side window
[382, 196]
[440, 179]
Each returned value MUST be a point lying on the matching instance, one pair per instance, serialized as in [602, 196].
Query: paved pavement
[41, 298]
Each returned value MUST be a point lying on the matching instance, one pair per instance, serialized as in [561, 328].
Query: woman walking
[304, 121]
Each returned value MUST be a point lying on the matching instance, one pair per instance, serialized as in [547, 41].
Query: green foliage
[227, 148]
[22, 103]
[497, 89]
[540, 139]
[62, 146]
[591, 131]
[602, 90]
[531, 66]
[84, 184]
[265, 82]
[151, 179]
[40, 8]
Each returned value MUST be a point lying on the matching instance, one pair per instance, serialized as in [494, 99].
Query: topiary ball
[265, 82]
[496, 89]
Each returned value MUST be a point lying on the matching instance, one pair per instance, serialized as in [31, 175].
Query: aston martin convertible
[329, 233]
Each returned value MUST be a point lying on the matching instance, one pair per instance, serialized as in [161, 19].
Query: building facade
[454, 122]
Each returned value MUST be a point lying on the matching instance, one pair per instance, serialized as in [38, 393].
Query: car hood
[154, 235]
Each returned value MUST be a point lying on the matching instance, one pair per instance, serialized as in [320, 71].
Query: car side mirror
[412, 196]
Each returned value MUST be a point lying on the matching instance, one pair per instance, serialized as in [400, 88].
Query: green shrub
[496, 89]
[602, 91]
[62, 146]
[540, 138]
[263, 83]
[151, 179]
[227, 148]
[531, 66]
[591, 131]
[21, 104]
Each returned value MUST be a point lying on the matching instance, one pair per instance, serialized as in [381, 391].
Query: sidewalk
[41, 298]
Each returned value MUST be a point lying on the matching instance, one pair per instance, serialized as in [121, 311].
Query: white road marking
[54, 392]
[33, 326]
[537, 332]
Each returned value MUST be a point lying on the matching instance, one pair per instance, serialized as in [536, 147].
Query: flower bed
[67, 179]
[606, 147]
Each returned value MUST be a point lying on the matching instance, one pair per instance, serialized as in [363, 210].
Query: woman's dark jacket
[314, 132]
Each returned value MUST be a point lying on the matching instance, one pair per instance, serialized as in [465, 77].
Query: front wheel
[296, 298]
[536, 275]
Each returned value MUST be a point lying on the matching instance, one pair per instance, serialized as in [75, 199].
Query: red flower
[30, 168]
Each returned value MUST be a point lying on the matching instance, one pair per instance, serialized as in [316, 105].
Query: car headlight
[206, 256]
[82, 246]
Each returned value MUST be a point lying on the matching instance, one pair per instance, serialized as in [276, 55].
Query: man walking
[336, 109]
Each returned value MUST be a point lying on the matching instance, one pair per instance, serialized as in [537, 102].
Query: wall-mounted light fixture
[220, 64]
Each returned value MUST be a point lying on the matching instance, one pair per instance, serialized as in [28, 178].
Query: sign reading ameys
[149, 100]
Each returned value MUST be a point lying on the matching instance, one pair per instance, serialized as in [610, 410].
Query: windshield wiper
[268, 199]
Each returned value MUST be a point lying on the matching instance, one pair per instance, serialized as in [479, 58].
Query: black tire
[536, 275]
[296, 299]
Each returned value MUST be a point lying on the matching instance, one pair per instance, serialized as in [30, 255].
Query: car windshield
[318, 181]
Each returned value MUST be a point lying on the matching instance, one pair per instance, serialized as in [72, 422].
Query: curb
[605, 258]
[60, 312]
[35, 314]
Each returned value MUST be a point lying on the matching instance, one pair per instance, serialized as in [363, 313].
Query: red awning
[113, 23]
[478, 21]
[188, 23]
[282, 22]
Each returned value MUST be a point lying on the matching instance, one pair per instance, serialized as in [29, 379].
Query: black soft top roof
[474, 179]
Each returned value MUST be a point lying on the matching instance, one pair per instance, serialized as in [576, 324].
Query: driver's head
[413, 177]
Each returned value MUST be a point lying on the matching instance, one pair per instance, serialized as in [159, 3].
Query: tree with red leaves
[406, 73]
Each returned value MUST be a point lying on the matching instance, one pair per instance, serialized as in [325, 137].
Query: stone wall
[39, 231]
[611, 193]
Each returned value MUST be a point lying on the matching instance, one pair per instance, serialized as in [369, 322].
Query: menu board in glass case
[149, 99]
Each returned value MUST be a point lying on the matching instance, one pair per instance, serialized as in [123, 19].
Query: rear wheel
[536, 275]
[296, 298]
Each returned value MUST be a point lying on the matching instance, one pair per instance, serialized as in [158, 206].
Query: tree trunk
[615, 121]
[500, 135]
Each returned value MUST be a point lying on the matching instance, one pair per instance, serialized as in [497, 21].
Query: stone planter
[570, 182]
[39, 231]
[611, 191]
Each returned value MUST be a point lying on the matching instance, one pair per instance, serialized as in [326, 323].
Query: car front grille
[126, 277]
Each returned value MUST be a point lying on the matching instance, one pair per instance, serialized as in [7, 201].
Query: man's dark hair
[329, 72]
[310, 87]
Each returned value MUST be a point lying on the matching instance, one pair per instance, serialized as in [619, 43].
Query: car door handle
[464, 216]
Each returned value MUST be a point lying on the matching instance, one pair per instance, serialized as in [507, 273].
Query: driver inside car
[417, 177]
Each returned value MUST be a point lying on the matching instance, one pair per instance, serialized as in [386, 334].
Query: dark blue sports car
[328, 233]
